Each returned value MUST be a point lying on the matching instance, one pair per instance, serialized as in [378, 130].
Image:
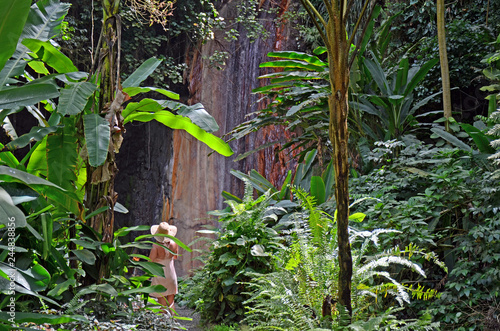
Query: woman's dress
[170, 279]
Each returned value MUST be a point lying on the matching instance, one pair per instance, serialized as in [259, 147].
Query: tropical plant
[391, 98]
[299, 295]
[246, 243]
[45, 191]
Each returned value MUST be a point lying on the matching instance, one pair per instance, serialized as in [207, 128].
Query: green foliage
[58, 256]
[390, 99]
[470, 26]
[245, 244]
[444, 199]
[299, 294]
[299, 91]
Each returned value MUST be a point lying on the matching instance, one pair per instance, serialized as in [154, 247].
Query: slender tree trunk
[338, 53]
[443, 58]
[100, 184]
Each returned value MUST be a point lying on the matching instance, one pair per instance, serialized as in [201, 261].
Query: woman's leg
[170, 299]
[162, 301]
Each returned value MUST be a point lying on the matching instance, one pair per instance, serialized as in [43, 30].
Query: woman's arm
[154, 253]
[174, 248]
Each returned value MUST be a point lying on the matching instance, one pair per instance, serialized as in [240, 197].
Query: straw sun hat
[163, 228]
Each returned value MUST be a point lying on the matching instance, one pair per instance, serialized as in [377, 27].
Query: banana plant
[390, 99]
[44, 191]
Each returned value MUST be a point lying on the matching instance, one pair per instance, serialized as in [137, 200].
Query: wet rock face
[170, 176]
[143, 177]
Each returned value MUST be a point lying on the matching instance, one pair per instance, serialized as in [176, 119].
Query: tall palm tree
[334, 35]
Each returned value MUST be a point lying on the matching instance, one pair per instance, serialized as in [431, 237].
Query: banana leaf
[13, 15]
[43, 23]
[46, 52]
[97, 133]
[141, 73]
[184, 123]
[74, 97]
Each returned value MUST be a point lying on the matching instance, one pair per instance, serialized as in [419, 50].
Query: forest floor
[192, 325]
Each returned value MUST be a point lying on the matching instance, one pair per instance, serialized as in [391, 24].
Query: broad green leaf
[271, 87]
[291, 64]
[74, 97]
[232, 262]
[61, 288]
[147, 289]
[38, 160]
[141, 73]
[62, 156]
[357, 217]
[285, 76]
[285, 190]
[318, 189]
[451, 139]
[420, 75]
[402, 76]
[43, 23]
[227, 196]
[26, 95]
[14, 175]
[85, 256]
[329, 179]
[9, 213]
[104, 288]
[45, 51]
[133, 91]
[8, 158]
[259, 182]
[174, 239]
[482, 141]
[145, 105]
[39, 67]
[36, 134]
[369, 29]
[312, 59]
[97, 138]
[183, 123]
[47, 229]
[154, 268]
[86, 243]
[69, 201]
[199, 116]
[125, 230]
[378, 75]
[13, 15]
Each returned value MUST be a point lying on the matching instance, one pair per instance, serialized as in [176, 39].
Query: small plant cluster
[245, 244]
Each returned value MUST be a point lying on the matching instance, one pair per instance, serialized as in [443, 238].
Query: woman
[166, 258]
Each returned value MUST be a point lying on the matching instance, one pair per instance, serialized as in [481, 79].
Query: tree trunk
[338, 53]
[443, 58]
[100, 184]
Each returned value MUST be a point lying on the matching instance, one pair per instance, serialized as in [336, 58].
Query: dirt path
[194, 324]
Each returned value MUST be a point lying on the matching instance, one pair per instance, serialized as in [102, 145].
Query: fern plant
[300, 294]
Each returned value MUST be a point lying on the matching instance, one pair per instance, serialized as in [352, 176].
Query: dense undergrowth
[424, 223]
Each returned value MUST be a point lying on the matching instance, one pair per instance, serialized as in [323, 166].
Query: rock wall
[171, 176]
